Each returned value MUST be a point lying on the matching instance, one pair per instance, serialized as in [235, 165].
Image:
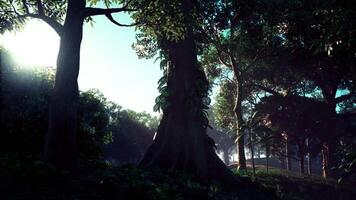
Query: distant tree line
[106, 130]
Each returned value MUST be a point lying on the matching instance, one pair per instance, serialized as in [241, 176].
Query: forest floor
[293, 186]
[26, 177]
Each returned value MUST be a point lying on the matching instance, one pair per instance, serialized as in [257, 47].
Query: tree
[237, 39]
[66, 18]
[25, 103]
[181, 141]
[318, 46]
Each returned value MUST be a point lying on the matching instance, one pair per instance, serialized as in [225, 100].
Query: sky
[107, 63]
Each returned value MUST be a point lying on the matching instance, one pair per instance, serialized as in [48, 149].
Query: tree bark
[288, 155]
[329, 144]
[226, 156]
[252, 153]
[181, 141]
[241, 162]
[301, 163]
[309, 158]
[309, 164]
[267, 156]
[60, 142]
[301, 152]
[327, 151]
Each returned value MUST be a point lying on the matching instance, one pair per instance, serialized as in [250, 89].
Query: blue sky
[108, 62]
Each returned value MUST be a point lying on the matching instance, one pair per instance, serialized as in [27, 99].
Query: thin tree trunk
[309, 164]
[226, 156]
[252, 153]
[288, 154]
[241, 163]
[267, 156]
[301, 163]
[301, 152]
[325, 163]
[282, 158]
[309, 158]
[61, 143]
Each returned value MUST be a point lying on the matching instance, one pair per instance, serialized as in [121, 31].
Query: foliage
[15, 13]
[174, 26]
[223, 109]
[288, 185]
[24, 103]
[25, 107]
[347, 153]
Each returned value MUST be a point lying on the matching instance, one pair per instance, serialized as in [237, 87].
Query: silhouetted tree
[66, 18]
[181, 141]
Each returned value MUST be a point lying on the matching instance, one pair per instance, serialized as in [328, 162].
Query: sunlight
[36, 45]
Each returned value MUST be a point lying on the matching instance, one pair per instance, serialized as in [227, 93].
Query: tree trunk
[226, 156]
[60, 143]
[181, 142]
[288, 155]
[301, 152]
[301, 163]
[324, 161]
[329, 144]
[327, 151]
[252, 154]
[309, 158]
[241, 162]
[309, 164]
[267, 156]
[283, 162]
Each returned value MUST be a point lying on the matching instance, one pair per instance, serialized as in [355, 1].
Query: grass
[26, 177]
[292, 186]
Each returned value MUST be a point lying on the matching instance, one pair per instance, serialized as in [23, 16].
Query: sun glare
[36, 45]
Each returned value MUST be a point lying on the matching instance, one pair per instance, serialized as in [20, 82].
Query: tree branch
[344, 97]
[24, 4]
[105, 11]
[40, 7]
[53, 23]
[271, 91]
[109, 16]
[221, 59]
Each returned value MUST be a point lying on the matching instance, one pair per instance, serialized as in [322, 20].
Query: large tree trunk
[327, 151]
[241, 158]
[329, 144]
[181, 142]
[60, 143]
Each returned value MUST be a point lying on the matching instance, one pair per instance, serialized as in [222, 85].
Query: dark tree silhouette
[181, 141]
[61, 142]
